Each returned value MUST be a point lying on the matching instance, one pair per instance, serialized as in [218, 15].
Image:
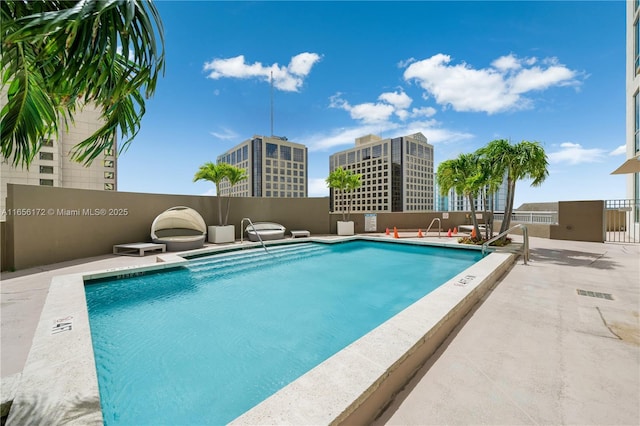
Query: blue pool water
[203, 344]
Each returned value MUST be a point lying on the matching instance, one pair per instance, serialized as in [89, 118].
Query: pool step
[248, 255]
[229, 269]
[258, 259]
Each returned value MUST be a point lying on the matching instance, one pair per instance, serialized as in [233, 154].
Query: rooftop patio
[533, 351]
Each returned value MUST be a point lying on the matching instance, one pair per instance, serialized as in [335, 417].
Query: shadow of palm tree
[572, 258]
[38, 410]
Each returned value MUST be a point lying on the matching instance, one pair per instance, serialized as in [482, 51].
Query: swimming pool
[230, 330]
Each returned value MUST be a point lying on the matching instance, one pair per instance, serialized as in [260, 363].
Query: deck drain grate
[595, 294]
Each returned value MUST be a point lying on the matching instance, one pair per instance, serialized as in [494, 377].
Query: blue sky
[462, 73]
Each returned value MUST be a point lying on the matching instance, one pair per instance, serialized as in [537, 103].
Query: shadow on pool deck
[533, 352]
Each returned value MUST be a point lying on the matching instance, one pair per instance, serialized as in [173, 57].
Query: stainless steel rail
[431, 224]
[254, 228]
[525, 238]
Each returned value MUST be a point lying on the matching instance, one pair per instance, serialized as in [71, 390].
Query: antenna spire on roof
[271, 83]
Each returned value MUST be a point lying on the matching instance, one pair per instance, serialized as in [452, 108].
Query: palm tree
[215, 173]
[524, 160]
[234, 176]
[60, 55]
[492, 180]
[464, 175]
[344, 181]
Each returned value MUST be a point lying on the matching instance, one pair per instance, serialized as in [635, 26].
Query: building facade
[397, 174]
[633, 108]
[275, 167]
[457, 202]
[52, 166]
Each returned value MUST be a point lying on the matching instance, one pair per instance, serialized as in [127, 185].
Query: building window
[636, 101]
[108, 163]
[109, 187]
[272, 150]
[46, 182]
[108, 152]
[46, 155]
[46, 169]
[636, 47]
[298, 155]
[285, 152]
[47, 142]
[109, 175]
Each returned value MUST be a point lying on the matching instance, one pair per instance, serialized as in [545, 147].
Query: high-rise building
[275, 166]
[458, 202]
[633, 113]
[52, 166]
[397, 174]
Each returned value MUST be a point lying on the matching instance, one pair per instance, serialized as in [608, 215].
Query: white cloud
[574, 153]
[497, 88]
[318, 188]
[399, 100]
[287, 78]
[423, 112]
[504, 63]
[621, 150]
[225, 134]
[403, 64]
[370, 112]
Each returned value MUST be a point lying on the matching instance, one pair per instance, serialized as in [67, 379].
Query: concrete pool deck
[533, 352]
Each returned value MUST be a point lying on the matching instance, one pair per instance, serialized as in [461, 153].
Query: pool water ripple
[203, 344]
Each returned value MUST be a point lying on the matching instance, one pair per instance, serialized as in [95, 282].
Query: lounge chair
[266, 230]
[180, 228]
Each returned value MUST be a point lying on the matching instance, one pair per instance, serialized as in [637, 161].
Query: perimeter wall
[46, 225]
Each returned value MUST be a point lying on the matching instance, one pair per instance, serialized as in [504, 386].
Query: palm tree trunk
[343, 207]
[506, 223]
[226, 215]
[474, 218]
[219, 205]
[493, 210]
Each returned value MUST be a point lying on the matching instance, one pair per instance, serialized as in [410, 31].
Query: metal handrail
[256, 231]
[431, 224]
[525, 238]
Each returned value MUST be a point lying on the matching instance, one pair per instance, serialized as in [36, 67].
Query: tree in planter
[234, 175]
[344, 181]
[216, 173]
[524, 160]
[465, 176]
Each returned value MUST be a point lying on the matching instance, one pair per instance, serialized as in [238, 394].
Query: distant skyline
[462, 73]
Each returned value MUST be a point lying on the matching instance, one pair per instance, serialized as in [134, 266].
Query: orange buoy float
[449, 233]
[473, 233]
[387, 232]
[395, 232]
[455, 230]
[419, 233]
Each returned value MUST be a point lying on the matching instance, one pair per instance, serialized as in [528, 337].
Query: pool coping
[59, 382]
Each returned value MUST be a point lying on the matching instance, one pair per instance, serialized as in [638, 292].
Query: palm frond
[77, 46]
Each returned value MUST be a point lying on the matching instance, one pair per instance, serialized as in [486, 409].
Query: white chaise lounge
[180, 228]
[267, 231]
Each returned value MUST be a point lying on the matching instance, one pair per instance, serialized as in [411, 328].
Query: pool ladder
[256, 231]
[431, 224]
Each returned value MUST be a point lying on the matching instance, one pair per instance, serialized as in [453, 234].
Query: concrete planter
[222, 234]
[345, 228]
